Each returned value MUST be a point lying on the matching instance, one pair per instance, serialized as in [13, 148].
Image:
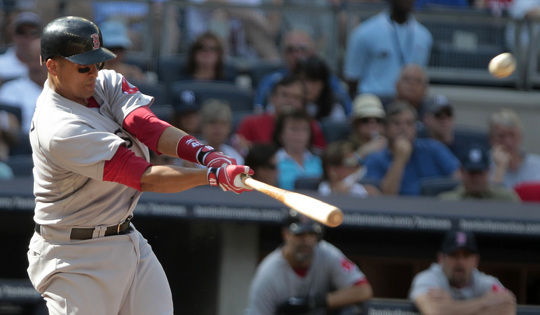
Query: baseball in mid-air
[502, 65]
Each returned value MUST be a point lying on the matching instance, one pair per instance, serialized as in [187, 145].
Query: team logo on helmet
[95, 41]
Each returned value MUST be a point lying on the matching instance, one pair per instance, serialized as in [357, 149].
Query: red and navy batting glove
[191, 149]
[229, 177]
[215, 158]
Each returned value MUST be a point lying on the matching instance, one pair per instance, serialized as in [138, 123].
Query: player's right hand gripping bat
[317, 210]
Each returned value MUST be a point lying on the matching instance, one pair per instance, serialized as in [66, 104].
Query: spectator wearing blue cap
[116, 39]
[438, 122]
[186, 111]
[454, 285]
[475, 180]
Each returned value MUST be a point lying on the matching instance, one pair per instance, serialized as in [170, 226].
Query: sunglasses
[99, 66]
[206, 48]
[367, 120]
[295, 48]
[34, 33]
[443, 114]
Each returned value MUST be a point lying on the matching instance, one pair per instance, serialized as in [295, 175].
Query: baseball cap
[455, 240]
[476, 158]
[115, 34]
[186, 101]
[367, 105]
[437, 103]
[26, 18]
[300, 224]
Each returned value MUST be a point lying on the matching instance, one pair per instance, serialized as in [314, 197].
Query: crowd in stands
[369, 128]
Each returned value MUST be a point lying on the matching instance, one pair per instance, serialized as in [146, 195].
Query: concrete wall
[474, 105]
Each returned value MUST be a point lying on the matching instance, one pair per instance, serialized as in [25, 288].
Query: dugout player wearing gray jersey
[90, 136]
[306, 275]
[454, 285]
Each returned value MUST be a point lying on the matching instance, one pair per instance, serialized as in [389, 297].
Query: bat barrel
[335, 218]
[315, 209]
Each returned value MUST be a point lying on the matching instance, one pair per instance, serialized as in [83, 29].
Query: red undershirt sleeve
[145, 126]
[125, 168]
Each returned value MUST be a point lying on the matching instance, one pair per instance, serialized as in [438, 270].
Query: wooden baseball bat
[317, 210]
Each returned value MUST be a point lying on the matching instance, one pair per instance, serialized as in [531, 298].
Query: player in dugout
[454, 285]
[306, 275]
[91, 134]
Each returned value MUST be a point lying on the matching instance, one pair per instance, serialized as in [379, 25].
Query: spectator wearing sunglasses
[407, 160]
[439, 124]
[367, 134]
[26, 27]
[206, 60]
[296, 45]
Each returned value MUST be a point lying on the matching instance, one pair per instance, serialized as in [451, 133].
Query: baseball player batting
[91, 134]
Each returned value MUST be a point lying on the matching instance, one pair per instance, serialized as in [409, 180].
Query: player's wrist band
[190, 149]
[203, 153]
[211, 176]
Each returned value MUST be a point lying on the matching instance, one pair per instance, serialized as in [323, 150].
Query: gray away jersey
[434, 278]
[70, 144]
[275, 281]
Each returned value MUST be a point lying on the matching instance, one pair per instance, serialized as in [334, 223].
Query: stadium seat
[15, 110]
[261, 68]
[528, 191]
[162, 104]
[157, 90]
[307, 183]
[435, 186]
[21, 165]
[240, 100]
[171, 68]
[334, 131]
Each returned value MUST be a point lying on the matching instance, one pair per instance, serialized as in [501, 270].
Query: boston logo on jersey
[128, 88]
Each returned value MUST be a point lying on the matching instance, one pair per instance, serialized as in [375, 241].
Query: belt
[87, 233]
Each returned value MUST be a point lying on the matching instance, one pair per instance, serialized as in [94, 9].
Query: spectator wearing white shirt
[511, 164]
[24, 91]
[26, 27]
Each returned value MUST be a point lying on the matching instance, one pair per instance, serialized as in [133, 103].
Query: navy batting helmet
[76, 39]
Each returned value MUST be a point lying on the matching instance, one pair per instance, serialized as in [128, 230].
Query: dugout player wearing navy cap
[91, 134]
[454, 285]
[306, 275]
